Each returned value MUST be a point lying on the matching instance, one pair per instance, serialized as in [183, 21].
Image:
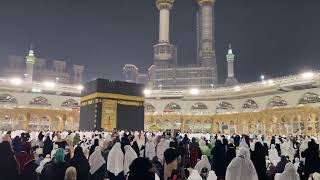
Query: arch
[224, 105]
[45, 123]
[54, 123]
[172, 107]
[199, 106]
[6, 122]
[277, 101]
[20, 121]
[7, 99]
[149, 108]
[250, 104]
[40, 100]
[70, 103]
[309, 98]
[33, 123]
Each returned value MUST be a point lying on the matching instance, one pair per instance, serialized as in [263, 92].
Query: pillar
[30, 60]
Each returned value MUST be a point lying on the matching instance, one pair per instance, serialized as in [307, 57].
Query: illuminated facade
[286, 105]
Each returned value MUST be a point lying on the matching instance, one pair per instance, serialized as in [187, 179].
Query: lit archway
[172, 108]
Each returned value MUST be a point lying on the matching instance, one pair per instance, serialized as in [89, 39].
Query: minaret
[164, 52]
[30, 60]
[231, 80]
[206, 53]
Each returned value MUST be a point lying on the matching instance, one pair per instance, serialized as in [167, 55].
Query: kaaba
[107, 105]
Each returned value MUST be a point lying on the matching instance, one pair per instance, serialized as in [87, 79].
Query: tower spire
[30, 60]
[231, 80]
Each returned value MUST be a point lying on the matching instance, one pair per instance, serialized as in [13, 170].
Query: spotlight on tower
[147, 92]
[262, 77]
[16, 81]
[49, 84]
[194, 91]
[237, 88]
[307, 75]
[80, 87]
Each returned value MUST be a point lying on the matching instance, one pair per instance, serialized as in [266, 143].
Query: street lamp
[160, 86]
[212, 86]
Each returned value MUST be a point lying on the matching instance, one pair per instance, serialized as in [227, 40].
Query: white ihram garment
[241, 168]
[212, 176]
[203, 163]
[273, 154]
[115, 160]
[150, 150]
[96, 160]
[129, 156]
[194, 176]
[289, 173]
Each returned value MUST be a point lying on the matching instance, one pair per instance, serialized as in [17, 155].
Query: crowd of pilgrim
[156, 156]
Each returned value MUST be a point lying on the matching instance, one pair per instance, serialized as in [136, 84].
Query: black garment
[100, 174]
[61, 144]
[53, 171]
[219, 159]
[259, 161]
[135, 147]
[312, 163]
[140, 168]
[231, 153]
[8, 164]
[278, 149]
[281, 165]
[170, 155]
[237, 140]
[93, 147]
[29, 171]
[80, 162]
[266, 149]
[47, 146]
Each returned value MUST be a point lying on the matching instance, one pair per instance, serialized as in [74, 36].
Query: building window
[250, 104]
[199, 106]
[7, 99]
[277, 101]
[42, 101]
[309, 98]
[225, 106]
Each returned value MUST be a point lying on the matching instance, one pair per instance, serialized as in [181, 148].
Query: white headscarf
[150, 149]
[296, 163]
[203, 163]
[161, 147]
[42, 163]
[212, 176]
[289, 173]
[194, 175]
[315, 176]
[241, 168]
[115, 159]
[96, 160]
[273, 153]
[129, 156]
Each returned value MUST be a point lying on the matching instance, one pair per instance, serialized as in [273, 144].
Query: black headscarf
[9, 166]
[141, 168]
[171, 154]
[80, 162]
[259, 160]
[93, 147]
[281, 165]
[219, 159]
[47, 146]
[135, 147]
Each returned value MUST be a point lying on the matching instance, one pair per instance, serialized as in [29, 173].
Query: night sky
[271, 37]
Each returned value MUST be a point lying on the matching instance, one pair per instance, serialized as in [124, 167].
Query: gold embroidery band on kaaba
[112, 96]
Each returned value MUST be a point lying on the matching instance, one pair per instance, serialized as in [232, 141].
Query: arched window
[250, 104]
[40, 100]
[277, 101]
[199, 106]
[70, 103]
[172, 107]
[309, 98]
[225, 106]
[149, 108]
[7, 99]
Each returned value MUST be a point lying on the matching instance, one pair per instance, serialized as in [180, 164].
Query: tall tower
[206, 53]
[164, 52]
[231, 80]
[30, 60]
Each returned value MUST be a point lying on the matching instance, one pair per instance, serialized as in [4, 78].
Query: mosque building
[177, 98]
